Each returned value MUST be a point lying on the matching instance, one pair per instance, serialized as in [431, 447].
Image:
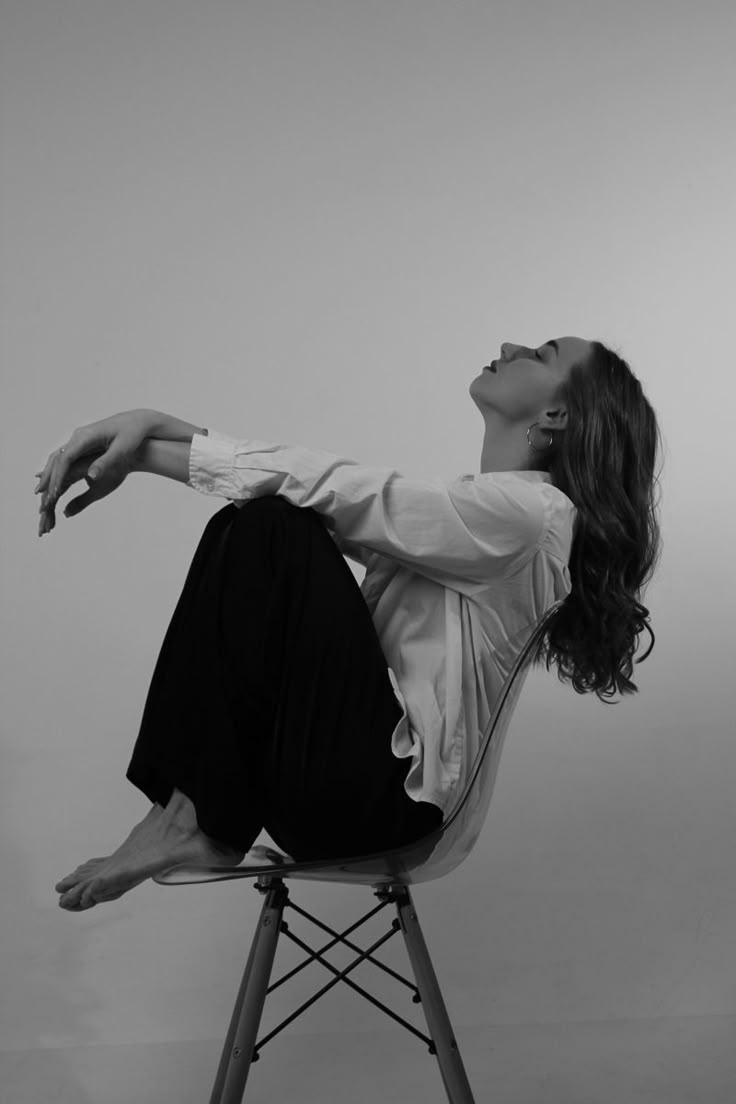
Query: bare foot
[258, 855]
[85, 868]
[165, 837]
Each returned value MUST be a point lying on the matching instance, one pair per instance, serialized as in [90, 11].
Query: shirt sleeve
[352, 551]
[472, 529]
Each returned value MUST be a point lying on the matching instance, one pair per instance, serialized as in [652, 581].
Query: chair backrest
[457, 835]
[442, 850]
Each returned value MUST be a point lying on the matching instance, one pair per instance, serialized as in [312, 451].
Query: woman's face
[524, 378]
[520, 389]
[556, 358]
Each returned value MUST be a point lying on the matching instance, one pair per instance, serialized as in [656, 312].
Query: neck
[509, 451]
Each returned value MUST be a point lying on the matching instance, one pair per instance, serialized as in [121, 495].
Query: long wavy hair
[604, 461]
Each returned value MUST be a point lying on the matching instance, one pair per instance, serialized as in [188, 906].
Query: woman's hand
[103, 453]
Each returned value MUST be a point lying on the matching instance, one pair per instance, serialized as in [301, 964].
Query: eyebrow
[554, 345]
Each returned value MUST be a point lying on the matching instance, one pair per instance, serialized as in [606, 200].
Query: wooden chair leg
[447, 1053]
[237, 1053]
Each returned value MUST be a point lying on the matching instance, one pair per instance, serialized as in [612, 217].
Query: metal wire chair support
[280, 900]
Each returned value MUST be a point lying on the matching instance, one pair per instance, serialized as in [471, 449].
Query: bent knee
[278, 506]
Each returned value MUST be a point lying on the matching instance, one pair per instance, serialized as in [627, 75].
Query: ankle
[181, 810]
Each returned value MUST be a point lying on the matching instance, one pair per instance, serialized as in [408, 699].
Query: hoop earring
[535, 447]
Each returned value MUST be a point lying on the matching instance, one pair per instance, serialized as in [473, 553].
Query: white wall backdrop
[314, 221]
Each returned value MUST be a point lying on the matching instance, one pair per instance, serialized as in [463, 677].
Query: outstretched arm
[166, 449]
[165, 427]
[168, 458]
[460, 533]
[104, 453]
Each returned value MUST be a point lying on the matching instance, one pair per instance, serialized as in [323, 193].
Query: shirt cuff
[211, 465]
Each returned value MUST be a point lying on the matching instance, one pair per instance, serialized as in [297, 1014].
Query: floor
[685, 1060]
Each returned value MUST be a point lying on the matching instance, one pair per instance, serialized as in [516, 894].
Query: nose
[509, 350]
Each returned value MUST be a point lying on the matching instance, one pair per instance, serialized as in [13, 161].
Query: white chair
[389, 873]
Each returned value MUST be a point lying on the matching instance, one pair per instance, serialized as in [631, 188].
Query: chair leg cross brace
[340, 975]
[347, 942]
[241, 1048]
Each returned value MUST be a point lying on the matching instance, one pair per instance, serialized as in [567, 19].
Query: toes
[80, 882]
[71, 880]
[78, 895]
[80, 907]
[77, 875]
[70, 899]
[88, 896]
[94, 893]
[97, 891]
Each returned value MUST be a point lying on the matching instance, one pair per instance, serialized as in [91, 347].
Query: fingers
[58, 477]
[50, 488]
[83, 443]
[52, 477]
[81, 502]
[86, 445]
[46, 474]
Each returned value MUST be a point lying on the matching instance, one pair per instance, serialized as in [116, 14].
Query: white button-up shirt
[458, 573]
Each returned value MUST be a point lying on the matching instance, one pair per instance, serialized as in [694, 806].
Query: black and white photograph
[396, 763]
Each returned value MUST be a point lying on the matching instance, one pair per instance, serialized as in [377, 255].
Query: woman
[343, 719]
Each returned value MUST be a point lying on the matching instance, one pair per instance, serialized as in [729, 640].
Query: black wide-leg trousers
[270, 705]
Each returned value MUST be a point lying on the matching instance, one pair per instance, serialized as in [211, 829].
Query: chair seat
[405, 865]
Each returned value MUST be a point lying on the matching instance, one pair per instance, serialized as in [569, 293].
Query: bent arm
[466, 531]
[165, 427]
[168, 458]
